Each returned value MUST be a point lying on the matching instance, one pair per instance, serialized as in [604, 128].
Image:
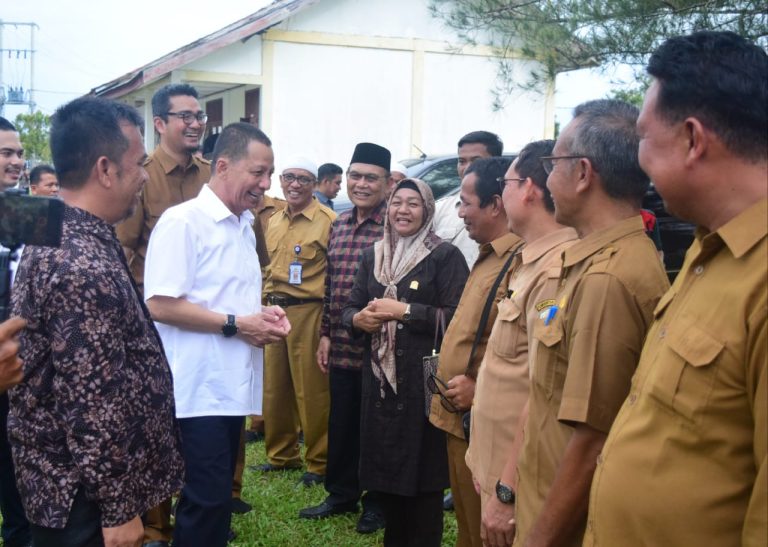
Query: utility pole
[16, 94]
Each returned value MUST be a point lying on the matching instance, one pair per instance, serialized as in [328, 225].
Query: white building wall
[237, 58]
[326, 99]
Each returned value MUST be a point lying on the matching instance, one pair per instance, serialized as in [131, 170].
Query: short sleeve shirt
[588, 345]
[503, 379]
[306, 232]
[685, 462]
[202, 252]
[169, 184]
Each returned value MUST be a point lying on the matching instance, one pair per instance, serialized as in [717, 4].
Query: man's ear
[586, 175]
[531, 192]
[104, 169]
[699, 140]
[160, 124]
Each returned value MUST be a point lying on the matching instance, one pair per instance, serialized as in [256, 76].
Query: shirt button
[399, 352]
[399, 326]
[633, 399]
[662, 332]
[377, 404]
[399, 406]
[698, 270]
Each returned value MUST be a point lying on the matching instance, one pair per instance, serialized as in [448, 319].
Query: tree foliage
[566, 35]
[34, 130]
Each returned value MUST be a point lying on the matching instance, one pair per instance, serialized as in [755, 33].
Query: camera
[24, 220]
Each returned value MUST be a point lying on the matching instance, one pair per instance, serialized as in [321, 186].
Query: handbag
[466, 417]
[430, 362]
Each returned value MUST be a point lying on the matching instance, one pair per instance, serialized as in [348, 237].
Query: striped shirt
[349, 238]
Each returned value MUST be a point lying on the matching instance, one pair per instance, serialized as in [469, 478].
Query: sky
[82, 44]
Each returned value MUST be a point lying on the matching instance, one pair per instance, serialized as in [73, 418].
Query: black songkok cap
[367, 152]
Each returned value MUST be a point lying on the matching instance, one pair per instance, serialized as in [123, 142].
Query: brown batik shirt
[95, 410]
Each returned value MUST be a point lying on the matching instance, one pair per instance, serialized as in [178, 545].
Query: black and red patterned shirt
[95, 410]
[349, 238]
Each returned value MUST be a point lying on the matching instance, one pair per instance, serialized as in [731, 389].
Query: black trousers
[15, 528]
[209, 445]
[342, 477]
[83, 527]
[413, 521]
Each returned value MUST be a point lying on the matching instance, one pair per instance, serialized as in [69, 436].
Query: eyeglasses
[290, 178]
[188, 117]
[503, 181]
[369, 177]
[437, 387]
[548, 162]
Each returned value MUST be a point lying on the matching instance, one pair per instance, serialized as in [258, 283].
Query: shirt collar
[80, 220]
[534, 251]
[308, 212]
[377, 214]
[169, 164]
[744, 231]
[597, 240]
[500, 245]
[215, 208]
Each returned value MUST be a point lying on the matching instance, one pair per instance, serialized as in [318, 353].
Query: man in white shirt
[203, 286]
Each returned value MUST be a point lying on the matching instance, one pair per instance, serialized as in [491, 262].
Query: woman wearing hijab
[403, 281]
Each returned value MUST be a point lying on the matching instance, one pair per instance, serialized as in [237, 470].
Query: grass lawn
[276, 500]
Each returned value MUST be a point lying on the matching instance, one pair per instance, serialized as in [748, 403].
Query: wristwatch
[504, 493]
[407, 314]
[229, 329]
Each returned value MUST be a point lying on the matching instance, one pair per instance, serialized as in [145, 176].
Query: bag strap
[488, 303]
[439, 328]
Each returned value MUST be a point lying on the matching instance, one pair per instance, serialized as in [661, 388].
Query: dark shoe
[253, 436]
[241, 507]
[311, 479]
[268, 467]
[448, 502]
[325, 510]
[157, 544]
[369, 522]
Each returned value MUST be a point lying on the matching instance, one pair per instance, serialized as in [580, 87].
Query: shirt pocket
[686, 369]
[548, 371]
[505, 336]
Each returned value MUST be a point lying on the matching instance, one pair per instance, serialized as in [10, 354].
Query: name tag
[294, 273]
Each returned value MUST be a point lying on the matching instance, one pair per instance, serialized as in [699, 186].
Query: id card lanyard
[294, 268]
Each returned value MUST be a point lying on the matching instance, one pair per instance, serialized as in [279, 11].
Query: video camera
[24, 220]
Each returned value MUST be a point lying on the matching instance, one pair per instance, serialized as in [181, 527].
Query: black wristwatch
[504, 493]
[229, 329]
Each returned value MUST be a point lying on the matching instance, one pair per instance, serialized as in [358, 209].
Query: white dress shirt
[199, 250]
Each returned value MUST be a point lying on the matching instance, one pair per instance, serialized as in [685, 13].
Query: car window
[442, 178]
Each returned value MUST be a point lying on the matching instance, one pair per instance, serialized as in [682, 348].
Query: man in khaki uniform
[589, 341]
[175, 176]
[295, 390]
[685, 462]
[502, 382]
[482, 211]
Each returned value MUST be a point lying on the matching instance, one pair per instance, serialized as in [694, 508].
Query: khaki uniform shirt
[460, 335]
[588, 348]
[502, 383]
[685, 463]
[310, 229]
[169, 184]
[269, 206]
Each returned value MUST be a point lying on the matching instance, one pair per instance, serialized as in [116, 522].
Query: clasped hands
[263, 328]
[377, 312]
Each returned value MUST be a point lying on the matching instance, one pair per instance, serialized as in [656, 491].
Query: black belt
[285, 300]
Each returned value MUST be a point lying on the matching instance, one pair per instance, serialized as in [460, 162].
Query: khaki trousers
[296, 395]
[466, 502]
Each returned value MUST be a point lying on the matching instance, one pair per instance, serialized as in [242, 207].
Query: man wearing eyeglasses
[295, 391]
[339, 355]
[587, 344]
[176, 175]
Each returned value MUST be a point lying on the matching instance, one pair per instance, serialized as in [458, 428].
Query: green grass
[277, 497]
